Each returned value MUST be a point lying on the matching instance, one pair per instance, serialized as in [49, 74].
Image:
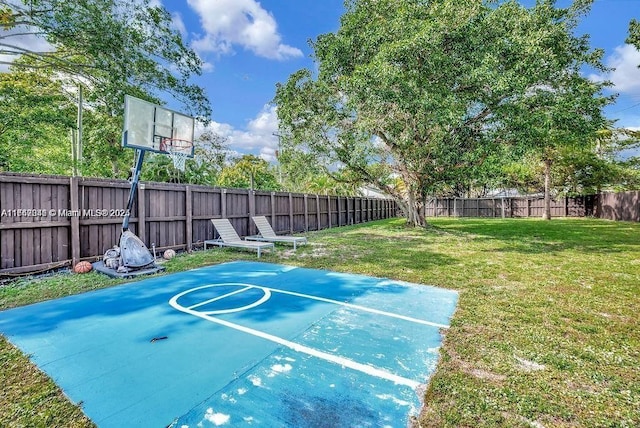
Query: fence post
[318, 212]
[306, 212]
[329, 211]
[223, 203]
[189, 219]
[75, 221]
[273, 210]
[338, 206]
[351, 218]
[566, 206]
[142, 213]
[363, 210]
[251, 194]
[290, 212]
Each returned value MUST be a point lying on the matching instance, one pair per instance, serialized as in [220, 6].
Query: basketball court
[241, 344]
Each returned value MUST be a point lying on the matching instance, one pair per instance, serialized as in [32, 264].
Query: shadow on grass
[379, 252]
[534, 236]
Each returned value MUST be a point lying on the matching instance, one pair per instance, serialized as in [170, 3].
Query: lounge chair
[229, 238]
[268, 235]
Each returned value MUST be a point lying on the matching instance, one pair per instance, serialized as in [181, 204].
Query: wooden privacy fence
[623, 206]
[581, 206]
[50, 221]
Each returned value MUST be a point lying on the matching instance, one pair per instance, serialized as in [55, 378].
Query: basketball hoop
[178, 150]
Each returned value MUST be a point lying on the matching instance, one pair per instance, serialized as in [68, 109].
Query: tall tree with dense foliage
[210, 157]
[249, 172]
[116, 47]
[111, 48]
[299, 172]
[35, 119]
[427, 91]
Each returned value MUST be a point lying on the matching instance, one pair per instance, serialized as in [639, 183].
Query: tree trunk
[546, 215]
[412, 210]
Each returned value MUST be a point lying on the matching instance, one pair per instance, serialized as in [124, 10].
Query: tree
[299, 172]
[249, 172]
[634, 34]
[210, 157]
[111, 48]
[427, 91]
[35, 119]
[114, 47]
[555, 118]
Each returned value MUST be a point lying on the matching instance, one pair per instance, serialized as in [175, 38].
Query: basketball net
[178, 151]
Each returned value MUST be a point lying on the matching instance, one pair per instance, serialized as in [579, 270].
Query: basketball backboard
[151, 127]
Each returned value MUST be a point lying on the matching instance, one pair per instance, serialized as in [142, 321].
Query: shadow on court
[256, 344]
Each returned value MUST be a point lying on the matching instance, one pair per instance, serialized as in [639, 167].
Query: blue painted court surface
[241, 344]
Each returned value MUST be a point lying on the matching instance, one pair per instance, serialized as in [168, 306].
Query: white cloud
[626, 74]
[240, 22]
[178, 24]
[258, 136]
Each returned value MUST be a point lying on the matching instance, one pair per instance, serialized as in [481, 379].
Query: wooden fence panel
[237, 204]
[509, 207]
[517, 207]
[298, 213]
[34, 227]
[333, 206]
[263, 204]
[623, 206]
[101, 205]
[206, 205]
[357, 204]
[165, 216]
[312, 208]
[344, 213]
[351, 208]
[323, 209]
[283, 220]
[82, 217]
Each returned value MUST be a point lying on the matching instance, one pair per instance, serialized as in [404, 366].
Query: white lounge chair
[229, 238]
[268, 235]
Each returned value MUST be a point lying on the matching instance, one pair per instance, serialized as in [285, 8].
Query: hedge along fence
[51, 221]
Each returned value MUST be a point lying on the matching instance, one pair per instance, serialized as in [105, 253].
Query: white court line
[345, 362]
[266, 296]
[206, 302]
[362, 308]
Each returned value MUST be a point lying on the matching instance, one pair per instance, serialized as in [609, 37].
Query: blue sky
[250, 45]
[245, 58]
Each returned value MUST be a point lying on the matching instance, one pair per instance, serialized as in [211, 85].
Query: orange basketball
[82, 267]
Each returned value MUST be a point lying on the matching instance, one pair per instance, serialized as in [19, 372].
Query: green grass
[545, 334]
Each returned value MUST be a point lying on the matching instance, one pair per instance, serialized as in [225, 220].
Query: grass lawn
[546, 333]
